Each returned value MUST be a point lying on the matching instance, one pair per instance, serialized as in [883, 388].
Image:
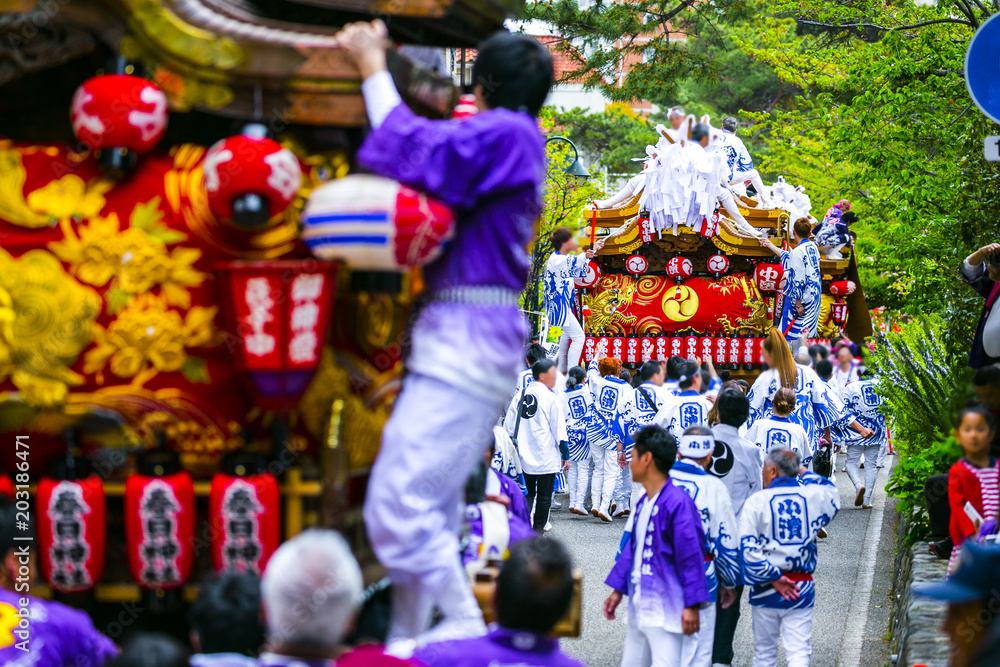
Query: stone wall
[915, 624]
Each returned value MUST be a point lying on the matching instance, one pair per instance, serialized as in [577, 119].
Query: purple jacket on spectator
[518, 505]
[57, 635]
[499, 647]
[673, 561]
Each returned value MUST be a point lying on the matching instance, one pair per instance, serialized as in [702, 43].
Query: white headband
[696, 446]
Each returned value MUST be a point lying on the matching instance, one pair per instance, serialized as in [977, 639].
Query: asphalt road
[853, 582]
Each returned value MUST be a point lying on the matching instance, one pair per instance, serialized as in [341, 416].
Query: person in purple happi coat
[534, 590]
[489, 170]
[662, 565]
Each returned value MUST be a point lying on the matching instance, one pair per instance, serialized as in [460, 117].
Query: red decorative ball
[119, 110]
[679, 268]
[842, 287]
[768, 277]
[242, 165]
[589, 280]
[718, 263]
[636, 264]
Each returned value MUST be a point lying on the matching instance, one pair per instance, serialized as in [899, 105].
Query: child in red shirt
[973, 480]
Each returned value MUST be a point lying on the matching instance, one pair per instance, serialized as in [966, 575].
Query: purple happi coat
[499, 647]
[489, 169]
[673, 561]
[56, 635]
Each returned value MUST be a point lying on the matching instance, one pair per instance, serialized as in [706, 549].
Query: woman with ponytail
[815, 411]
[577, 403]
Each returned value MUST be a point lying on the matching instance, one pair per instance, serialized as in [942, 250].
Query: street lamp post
[572, 166]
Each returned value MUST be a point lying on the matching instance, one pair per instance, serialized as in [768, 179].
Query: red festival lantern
[244, 515]
[679, 268]
[842, 287]
[838, 311]
[159, 529]
[6, 486]
[617, 348]
[589, 348]
[589, 280]
[768, 277]
[735, 352]
[249, 178]
[661, 349]
[466, 107]
[721, 351]
[705, 347]
[72, 531]
[691, 347]
[749, 358]
[119, 111]
[278, 313]
[648, 347]
[676, 346]
[632, 355]
[718, 264]
[646, 230]
[636, 264]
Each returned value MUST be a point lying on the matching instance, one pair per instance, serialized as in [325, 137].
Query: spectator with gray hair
[778, 530]
[311, 592]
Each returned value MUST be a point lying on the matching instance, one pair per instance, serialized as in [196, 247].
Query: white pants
[882, 451]
[569, 352]
[577, 482]
[741, 177]
[697, 651]
[854, 454]
[729, 203]
[623, 489]
[794, 626]
[415, 501]
[606, 472]
[652, 647]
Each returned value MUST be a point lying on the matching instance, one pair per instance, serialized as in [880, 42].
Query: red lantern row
[723, 350]
[159, 528]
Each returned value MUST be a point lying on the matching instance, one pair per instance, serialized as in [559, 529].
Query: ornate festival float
[190, 370]
[682, 271]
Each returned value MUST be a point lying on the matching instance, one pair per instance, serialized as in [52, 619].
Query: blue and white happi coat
[560, 272]
[780, 432]
[865, 404]
[804, 282]
[737, 156]
[778, 528]
[717, 521]
[815, 407]
[578, 405]
[690, 409]
[613, 412]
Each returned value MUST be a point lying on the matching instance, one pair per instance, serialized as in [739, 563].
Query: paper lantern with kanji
[71, 532]
[843, 287]
[159, 529]
[705, 347]
[250, 178]
[636, 264]
[375, 224]
[632, 351]
[838, 312]
[119, 111]
[277, 314]
[679, 268]
[589, 280]
[243, 513]
[718, 264]
[661, 353]
[768, 277]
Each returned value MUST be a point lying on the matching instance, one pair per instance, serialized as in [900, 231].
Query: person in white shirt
[691, 407]
[738, 465]
[561, 270]
[614, 405]
[722, 568]
[778, 530]
[777, 430]
[650, 397]
[578, 405]
[845, 371]
[538, 427]
[532, 354]
[740, 164]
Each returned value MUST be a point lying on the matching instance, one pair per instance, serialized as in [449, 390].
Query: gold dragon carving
[615, 294]
[756, 321]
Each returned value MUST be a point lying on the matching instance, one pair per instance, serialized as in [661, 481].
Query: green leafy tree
[609, 139]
